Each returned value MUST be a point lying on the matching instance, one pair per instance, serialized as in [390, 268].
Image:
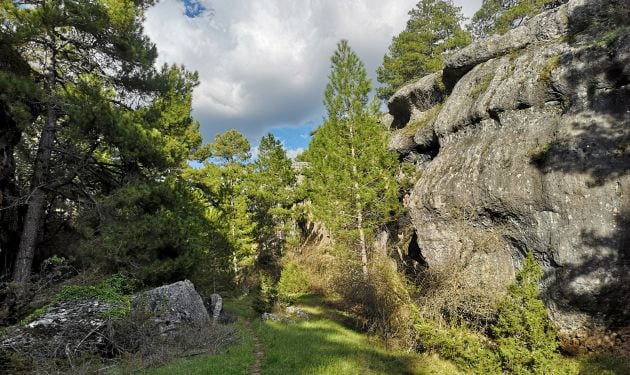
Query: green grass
[322, 345]
[233, 360]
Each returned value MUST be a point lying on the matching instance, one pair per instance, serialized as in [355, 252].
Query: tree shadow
[325, 345]
[592, 80]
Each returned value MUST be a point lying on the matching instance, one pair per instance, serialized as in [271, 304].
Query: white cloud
[294, 152]
[265, 63]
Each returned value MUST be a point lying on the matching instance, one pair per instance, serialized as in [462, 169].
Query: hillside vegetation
[479, 227]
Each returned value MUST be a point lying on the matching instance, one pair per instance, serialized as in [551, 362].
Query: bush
[525, 336]
[267, 295]
[470, 351]
[293, 283]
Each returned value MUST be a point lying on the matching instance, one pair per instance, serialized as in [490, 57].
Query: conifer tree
[499, 16]
[350, 176]
[525, 336]
[106, 115]
[224, 180]
[273, 195]
[432, 32]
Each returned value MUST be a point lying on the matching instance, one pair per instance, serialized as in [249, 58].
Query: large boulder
[172, 305]
[534, 155]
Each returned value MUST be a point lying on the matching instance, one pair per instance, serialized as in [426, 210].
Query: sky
[263, 64]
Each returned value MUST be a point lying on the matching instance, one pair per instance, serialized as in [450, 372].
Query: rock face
[171, 305]
[530, 151]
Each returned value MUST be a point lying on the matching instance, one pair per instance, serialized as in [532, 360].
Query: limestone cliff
[523, 142]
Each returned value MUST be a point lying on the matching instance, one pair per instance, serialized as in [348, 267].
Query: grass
[321, 345]
[324, 345]
[551, 64]
[327, 344]
[482, 86]
[233, 360]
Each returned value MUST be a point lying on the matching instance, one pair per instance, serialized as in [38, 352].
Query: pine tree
[272, 193]
[525, 336]
[350, 174]
[499, 16]
[224, 182]
[433, 31]
[106, 117]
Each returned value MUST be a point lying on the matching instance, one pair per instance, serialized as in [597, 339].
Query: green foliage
[524, 334]
[267, 294]
[433, 31]
[350, 178]
[115, 289]
[158, 232]
[470, 351]
[56, 260]
[231, 147]
[271, 188]
[293, 283]
[225, 185]
[499, 16]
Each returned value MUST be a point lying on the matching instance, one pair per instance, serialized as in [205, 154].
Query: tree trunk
[363, 245]
[359, 206]
[9, 216]
[37, 199]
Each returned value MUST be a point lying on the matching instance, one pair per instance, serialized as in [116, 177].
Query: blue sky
[263, 64]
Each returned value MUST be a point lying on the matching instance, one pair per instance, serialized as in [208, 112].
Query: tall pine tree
[350, 174]
[105, 114]
[433, 31]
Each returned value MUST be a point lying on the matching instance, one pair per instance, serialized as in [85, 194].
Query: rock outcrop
[530, 151]
[80, 326]
[172, 305]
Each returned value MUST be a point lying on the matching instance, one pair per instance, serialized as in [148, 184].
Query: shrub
[470, 351]
[266, 296]
[293, 283]
[525, 336]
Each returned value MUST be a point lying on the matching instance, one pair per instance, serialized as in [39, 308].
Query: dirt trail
[258, 350]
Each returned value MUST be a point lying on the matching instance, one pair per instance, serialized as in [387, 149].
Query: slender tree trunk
[37, 200]
[359, 207]
[9, 216]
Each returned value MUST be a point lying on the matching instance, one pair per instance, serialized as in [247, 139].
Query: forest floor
[324, 344]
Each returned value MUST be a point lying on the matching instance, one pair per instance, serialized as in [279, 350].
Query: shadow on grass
[325, 345]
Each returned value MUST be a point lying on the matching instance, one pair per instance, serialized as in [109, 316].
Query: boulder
[171, 305]
[297, 312]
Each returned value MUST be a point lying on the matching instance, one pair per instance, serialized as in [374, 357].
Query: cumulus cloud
[265, 63]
